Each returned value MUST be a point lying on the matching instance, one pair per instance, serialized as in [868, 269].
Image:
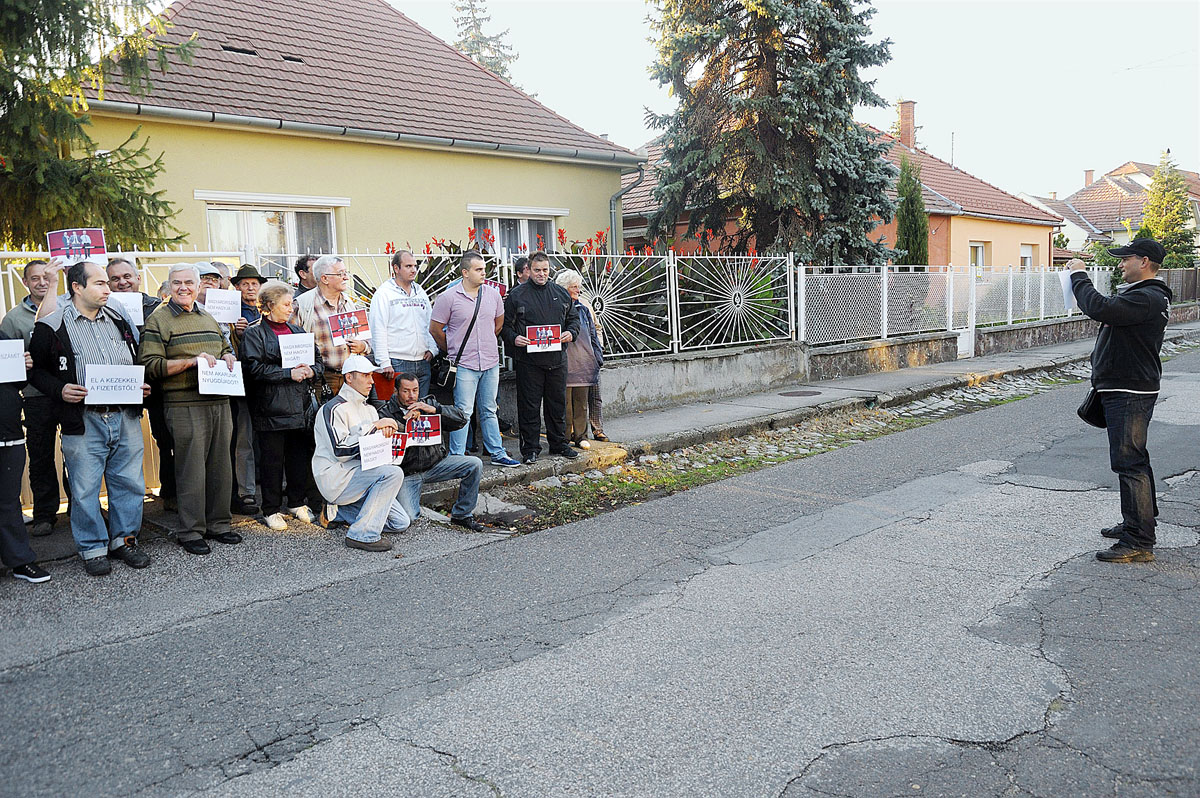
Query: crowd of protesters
[288, 449]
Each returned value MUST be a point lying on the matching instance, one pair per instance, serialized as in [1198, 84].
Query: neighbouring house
[970, 220]
[1107, 209]
[340, 125]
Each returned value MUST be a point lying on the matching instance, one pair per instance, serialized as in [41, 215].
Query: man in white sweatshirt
[399, 317]
[364, 499]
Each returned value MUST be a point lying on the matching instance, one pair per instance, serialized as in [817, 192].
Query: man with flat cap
[1126, 371]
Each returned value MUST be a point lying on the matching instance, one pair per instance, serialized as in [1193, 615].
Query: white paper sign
[114, 385]
[297, 349]
[375, 450]
[223, 304]
[131, 301]
[12, 361]
[219, 380]
[1068, 295]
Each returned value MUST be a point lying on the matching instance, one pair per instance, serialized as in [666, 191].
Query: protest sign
[399, 443]
[113, 385]
[76, 244]
[12, 361]
[424, 430]
[224, 305]
[219, 380]
[499, 286]
[1064, 277]
[349, 326]
[544, 338]
[131, 303]
[296, 349]
[375, 450]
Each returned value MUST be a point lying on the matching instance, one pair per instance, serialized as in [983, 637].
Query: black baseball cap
[1143, 248]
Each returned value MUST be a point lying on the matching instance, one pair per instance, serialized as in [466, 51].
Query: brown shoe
[600, 436]
[375, 545]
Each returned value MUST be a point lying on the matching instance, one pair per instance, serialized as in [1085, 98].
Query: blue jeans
[418, 367]
[111, 449]
[1128, 417]
[454, 466]
[369, 503]
[478, 387]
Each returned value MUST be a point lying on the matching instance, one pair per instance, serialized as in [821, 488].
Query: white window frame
[289, 223]
[526, 235]
[1027, 259]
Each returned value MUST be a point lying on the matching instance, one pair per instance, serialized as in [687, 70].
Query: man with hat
[247, 281]
[364, 499]
[1126, 371]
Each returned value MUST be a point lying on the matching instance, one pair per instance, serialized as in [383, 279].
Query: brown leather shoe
[375, 545]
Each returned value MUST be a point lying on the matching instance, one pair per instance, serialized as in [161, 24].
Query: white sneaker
[276, 522]
[584, 445]
[302, 513]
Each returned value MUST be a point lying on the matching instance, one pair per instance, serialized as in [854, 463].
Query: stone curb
[556, 466]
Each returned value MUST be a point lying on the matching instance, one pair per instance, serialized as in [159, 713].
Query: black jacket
[1132, 321]
[418, 459]
[54, 365]
[277, 402]
[531, 304]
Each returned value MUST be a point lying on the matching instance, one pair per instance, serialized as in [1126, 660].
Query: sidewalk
[656, 431]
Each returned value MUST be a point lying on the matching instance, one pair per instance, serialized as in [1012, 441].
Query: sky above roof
[1034, 92]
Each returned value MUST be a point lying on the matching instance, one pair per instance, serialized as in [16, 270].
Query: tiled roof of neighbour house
[1066, 254]
[1109, 201]
[357, 64]
[1071, 214]
[1148, 169]
[973, 196]
[640, 201]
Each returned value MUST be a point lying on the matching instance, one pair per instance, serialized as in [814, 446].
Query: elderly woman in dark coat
[585, 356]
[280, 400]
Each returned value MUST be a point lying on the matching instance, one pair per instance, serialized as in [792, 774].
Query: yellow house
[310, 126]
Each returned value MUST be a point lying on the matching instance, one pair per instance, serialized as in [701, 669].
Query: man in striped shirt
[99, 441]
[313, 309]
[177, 334]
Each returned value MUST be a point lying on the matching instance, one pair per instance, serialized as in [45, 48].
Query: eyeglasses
[338, 274]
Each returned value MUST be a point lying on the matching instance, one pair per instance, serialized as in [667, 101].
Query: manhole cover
[800, 393]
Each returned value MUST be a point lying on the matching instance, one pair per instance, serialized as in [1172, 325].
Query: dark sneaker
[39, 529]
[1122, 553]
[469, 524]
[97, 566]
[130, 554]
[31, 573]
[228, 538]
[195, 547]
[530, 459]
[505, 462]
[566, 452]
[600, 436]
[375, 545]
[245, 505]
[1114, 532]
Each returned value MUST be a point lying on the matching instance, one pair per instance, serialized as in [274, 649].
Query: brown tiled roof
[1071, 214]
[640, 201]
[1129, 167]
[1109, 201]
[363, 65]
[972, 195]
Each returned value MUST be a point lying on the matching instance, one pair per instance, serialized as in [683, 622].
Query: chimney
[1053, 195]
[1087, 177]
[908, 124]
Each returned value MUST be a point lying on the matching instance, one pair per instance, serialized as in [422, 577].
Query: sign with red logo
[81, 243]
[424, 431]
[544, 337]
[349, 326]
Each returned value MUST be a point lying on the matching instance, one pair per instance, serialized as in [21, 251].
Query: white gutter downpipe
[612, 208]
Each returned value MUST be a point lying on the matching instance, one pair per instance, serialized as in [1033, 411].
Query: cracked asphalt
[917, 614]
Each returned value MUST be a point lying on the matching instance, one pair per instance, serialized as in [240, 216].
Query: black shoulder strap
[470, 327]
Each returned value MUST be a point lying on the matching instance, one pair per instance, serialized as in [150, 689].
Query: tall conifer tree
[912, 222]
[764, 131]
[51, 173]
[490, 52]
[1167, 211]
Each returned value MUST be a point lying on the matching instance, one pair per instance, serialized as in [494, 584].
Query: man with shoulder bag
[1126, 371]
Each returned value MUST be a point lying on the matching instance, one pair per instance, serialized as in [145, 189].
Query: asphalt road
[919, 614]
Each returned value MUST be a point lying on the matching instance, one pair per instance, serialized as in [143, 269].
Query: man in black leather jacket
[1126, 370]
[541, 376]
[424, 464]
